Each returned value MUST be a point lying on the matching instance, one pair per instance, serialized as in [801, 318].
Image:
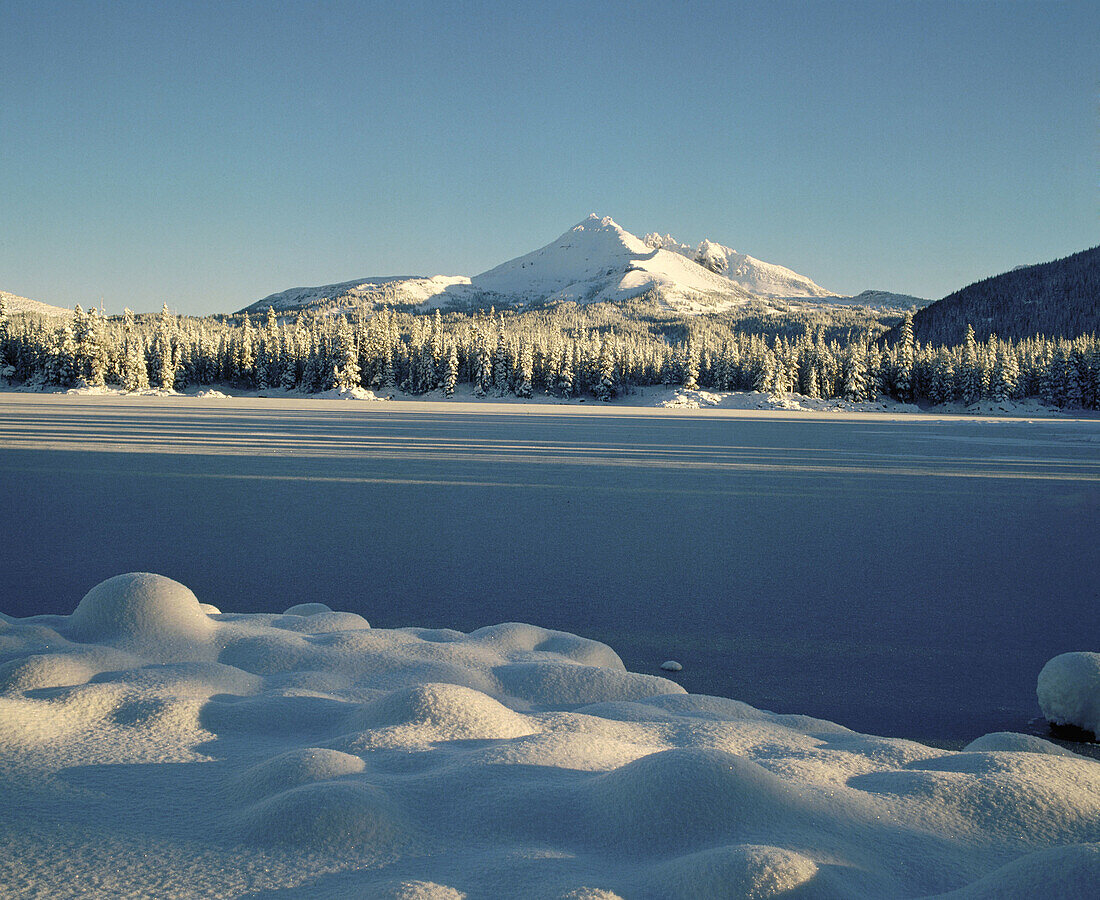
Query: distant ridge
[1055, 299]
[16, 304]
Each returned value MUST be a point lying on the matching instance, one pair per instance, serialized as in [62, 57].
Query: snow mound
[347, 393]
[307, 609]
[684, 398]
[452, 712]
[1015, 743]
[741, 870]
[294, 769]
[307, 752]
[1060, 871]
[139, 608]
[329, 815]
[1069, 691]
[211, 394]
[676, 800]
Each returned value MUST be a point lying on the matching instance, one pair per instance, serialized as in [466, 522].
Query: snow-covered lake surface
[901, 575]
[905, 575]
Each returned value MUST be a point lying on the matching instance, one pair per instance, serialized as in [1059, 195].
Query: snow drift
[150, 745]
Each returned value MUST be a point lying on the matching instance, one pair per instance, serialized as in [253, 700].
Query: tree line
[571, 352]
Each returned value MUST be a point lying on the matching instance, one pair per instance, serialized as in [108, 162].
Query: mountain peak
[754, 275]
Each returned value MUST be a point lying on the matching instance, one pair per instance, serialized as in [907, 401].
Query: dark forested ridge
[1053, 299]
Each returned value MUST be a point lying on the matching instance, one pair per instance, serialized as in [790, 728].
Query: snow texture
[151, 747]
[1069, 691]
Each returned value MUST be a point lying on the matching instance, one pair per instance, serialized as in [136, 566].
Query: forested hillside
[1053, 299]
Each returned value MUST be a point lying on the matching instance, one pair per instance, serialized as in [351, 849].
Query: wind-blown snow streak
[150, 744]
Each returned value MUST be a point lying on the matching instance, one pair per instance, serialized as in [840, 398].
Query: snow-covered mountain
[595, 260]
[758, 277]
[16, 304]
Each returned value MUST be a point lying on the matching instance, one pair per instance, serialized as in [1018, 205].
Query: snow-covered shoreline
[661, 397]
[154, 746]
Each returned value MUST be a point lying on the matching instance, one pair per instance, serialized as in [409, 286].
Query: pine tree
[604, 386]
[942, 387]
[500, 365]
[903, 377]
[968, 377]
[345, 358]
[526, 369]
[450, 371]
[565, 376]
[855, 373]
[691, 367]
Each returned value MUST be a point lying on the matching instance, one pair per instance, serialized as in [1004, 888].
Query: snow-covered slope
[597, 260]
[754, 275]
[387, 288]
[151, 745]
[16, 304]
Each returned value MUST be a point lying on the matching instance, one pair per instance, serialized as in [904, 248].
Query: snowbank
[683, 398]
[150, 745]
[1069, 691]
[347, 393]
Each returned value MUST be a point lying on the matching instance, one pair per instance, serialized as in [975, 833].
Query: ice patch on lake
[305, 751]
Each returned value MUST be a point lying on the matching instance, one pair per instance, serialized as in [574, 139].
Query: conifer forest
[568, 351]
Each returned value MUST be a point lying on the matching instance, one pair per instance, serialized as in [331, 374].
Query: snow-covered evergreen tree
[450, 371]
[345, 357]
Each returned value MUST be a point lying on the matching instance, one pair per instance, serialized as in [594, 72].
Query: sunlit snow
[150, 747]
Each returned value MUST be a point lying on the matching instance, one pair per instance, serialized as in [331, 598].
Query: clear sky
[207, 154]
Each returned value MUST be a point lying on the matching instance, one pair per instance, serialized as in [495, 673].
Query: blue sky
[207, 154]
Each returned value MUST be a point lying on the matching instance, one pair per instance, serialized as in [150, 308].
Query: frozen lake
[901, 575]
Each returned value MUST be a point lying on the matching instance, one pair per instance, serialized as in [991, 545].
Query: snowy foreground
[150, 745]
